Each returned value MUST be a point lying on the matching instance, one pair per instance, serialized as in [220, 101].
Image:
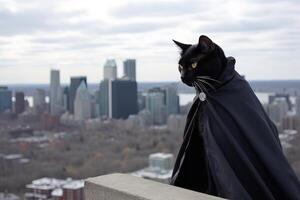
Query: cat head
[203, 59]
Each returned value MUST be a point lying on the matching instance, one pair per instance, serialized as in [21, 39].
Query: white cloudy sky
[76, 36]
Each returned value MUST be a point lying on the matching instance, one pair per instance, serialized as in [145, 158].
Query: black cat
[230, 147]
[203, 59]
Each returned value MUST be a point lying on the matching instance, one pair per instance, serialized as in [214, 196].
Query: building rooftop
[46, 183]
[53, 183]
[8, 196]
[110, 63]
[58, 192]
[161, 155]
[13, 156]
[74, 185]
[153, 173]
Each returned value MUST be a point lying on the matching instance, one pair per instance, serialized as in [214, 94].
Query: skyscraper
[56, 101]
[277, 110]
[39, 102]
[172, 99]
[110, 69]
[19, 103]
[75, 82]
[66, 98]
[155, 103]
[129, 69]
[95, 104]
[5, 99]
[82, 103]
[122, 98]
[103, 98]
[291, 122]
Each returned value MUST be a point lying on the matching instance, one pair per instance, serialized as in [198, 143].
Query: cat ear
[182, 46]
[206, 43]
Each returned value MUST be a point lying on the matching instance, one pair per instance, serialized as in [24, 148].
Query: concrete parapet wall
[128, 187]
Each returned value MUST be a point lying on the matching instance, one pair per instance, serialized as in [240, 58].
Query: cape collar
[226, 76]
[228, 72]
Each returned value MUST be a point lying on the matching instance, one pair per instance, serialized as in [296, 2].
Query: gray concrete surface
[128, 187]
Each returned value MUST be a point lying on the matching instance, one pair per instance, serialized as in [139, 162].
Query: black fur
[212, 61]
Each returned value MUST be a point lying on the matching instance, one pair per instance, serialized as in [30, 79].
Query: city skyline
[76, 39]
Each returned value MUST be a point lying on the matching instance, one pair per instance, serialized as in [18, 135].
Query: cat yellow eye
[194, 65]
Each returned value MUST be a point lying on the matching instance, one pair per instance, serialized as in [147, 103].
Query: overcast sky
[77, 37]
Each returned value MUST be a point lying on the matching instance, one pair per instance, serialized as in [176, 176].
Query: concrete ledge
[128, 187]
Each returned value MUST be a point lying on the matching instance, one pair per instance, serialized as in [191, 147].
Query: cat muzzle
[188, 80]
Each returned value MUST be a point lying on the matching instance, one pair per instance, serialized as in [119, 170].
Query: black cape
[235, 152]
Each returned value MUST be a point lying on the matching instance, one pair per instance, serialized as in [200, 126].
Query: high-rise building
[95, 104]
[122, 98]
[176, 123]
[66, 98]
[39, 101]
[82, 103]
[110, 69]
[172, 99]
[129, 69]
[291, 122]
[103, 98]
[141, 101]
[20, 102]
[56, 101]
[285, 97]
[155, 103]
[75, 82]
[5, 99]
[277, 110]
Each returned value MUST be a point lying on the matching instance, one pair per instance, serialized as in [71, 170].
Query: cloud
[43, 33]
[160, 8]
[33, 21]
[248, 25]
[30, 21]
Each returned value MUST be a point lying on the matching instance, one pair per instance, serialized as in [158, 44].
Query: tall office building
[103, 98]
[75, 82]
[291, 122]
[110, 70]
[122, 98]
[5, 99]
[285, 97]
[155, 103]
[277, 110]
[141, 101]
[56, 101]
[20, 102]
[82, 103]
[95, 104]
[129, 69]
[39, 101]
[172, 99]
[66, 98]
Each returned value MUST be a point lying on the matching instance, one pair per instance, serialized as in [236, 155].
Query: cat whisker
[208, 78]
[204, 88]
[199, 86]
[196, 86]
[210, 85]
